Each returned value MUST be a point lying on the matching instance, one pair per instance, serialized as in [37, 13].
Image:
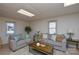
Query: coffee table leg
[52, 52]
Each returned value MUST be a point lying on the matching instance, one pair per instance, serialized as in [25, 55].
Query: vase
[27, 37]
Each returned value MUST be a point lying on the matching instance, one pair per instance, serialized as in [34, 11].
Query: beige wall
[64, 23]
[20, 25]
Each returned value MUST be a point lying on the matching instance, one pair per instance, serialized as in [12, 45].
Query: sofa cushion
[20, 42]
[59, 38]
[59, 44]
[17, 37]
[49, 41]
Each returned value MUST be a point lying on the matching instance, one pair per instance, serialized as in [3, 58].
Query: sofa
[58, 45]
[16, 42]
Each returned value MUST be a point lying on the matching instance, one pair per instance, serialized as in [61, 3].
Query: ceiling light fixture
[68, 4]
[22, 11]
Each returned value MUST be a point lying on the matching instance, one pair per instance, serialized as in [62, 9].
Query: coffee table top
[47, 48]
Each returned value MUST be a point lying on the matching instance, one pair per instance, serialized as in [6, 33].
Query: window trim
[14, 26]
[52, 28]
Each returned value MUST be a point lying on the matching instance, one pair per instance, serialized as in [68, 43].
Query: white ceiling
[41, 10]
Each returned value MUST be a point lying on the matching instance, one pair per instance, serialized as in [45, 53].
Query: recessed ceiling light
[68, 4]
[24, 12]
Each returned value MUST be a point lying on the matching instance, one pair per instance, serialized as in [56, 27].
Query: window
[52, 27]
[10, 28]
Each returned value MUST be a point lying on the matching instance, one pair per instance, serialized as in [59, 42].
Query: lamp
[70, 33]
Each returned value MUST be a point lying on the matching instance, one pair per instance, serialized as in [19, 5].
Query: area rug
[25, 51]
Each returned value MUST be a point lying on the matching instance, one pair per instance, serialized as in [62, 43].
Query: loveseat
[16, 42]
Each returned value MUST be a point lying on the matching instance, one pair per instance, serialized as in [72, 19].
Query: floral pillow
[59, 38]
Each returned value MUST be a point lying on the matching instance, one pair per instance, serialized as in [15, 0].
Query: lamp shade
[70, 31]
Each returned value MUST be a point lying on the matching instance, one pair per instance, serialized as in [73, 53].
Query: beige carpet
[25, 51]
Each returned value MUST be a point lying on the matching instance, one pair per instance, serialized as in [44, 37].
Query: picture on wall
[10, 28]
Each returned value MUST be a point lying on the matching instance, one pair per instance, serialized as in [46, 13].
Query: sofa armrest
[64, 41]
[12, 45]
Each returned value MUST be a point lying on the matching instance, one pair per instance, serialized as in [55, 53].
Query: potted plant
[37, 36]
[28, 29]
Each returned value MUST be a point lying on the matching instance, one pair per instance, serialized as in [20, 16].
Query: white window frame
[52, 28]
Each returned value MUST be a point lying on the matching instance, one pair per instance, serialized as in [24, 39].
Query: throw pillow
[59, 38]
[53, 37]
[45, 36]
[18, 37]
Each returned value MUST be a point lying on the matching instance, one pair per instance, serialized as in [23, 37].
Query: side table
[72, 42]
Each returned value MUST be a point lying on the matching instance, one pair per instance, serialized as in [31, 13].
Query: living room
[65, 21]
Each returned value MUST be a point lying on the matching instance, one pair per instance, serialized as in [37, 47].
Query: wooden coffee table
[47, 49]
